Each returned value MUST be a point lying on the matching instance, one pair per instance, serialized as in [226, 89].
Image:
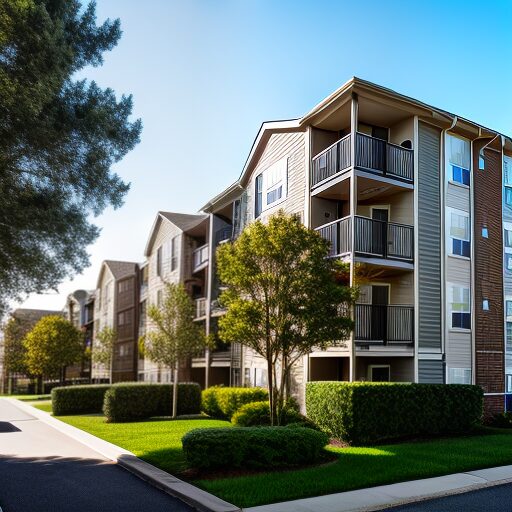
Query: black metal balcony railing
[372, 154]
[384, 324]
[374, 238]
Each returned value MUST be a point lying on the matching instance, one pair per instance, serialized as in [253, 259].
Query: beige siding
[401, 288]
[402, 131]
[457, 197]
[458, 350]
[401, 207]
[458, 270]
[279, 146]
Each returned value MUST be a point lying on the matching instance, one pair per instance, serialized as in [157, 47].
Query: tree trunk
[271, 390]
[175, 392]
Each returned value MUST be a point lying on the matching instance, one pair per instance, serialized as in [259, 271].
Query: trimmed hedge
[220, 402]
[257, 414]
[362, 412]
[80, 399]
[255, 447]
[132, 402]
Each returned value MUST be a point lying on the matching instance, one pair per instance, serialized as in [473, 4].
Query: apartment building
[79, 310]
[177, 251]
[419, 202]
[117, 307]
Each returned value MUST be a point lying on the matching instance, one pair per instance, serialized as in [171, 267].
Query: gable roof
[183, 221]
[118, 269]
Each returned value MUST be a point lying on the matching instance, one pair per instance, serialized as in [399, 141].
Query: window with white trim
[508, 337]
[508, 308]
[271, 186]
[481, 160]
[174, 253]
[458, 232]
[507, 237]
[459, 307]
[458, 158]
[459, 375]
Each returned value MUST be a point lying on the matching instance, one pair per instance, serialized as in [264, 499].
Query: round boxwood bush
[220, 402]
[258, 414]
[252, 447]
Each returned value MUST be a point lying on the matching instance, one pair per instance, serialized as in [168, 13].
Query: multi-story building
[117, 307]
[419, 202]
[177, 251]
[79, 310]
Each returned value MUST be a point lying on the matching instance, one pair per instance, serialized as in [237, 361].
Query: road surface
[44, 470]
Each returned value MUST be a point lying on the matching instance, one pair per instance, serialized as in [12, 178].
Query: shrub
[258, 414]
[220, 402]
[363, 413]
[255, 447]
[131, 402]
[502, 420]
[78, 399]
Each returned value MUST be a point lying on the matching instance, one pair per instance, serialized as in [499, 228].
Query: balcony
[371, 154]
[372, 238]
[200, 258]
[200, 308]
[384, 324]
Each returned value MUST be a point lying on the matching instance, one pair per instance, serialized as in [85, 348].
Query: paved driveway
[43, 470]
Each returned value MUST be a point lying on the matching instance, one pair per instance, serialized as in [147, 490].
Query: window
[258, 196]
[481, 160]
[270, 187]
[508, 339]
[460, 308]
[124, 286]
[507, 237]
[508, 196]
[509, 383]
[485, 305]
[485, 232]
[124, 318]
[458, 230]
[174, 253]
[509, 308]
[508, 261]
[458, 157]
[159, 298]
[459, 375]
[159, 269]
[507, 171]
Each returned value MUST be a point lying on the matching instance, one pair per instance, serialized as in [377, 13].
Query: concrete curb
[193, 496]
[393, 495]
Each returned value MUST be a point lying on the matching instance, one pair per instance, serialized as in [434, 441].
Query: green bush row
[363, 413]
[78, 399]
[254, 447]
[257, 414]
[132, 402]
[221, 402]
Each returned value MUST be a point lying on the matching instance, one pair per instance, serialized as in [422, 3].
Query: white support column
[416, 243]
[353, 211]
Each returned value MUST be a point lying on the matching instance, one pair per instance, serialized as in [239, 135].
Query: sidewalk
[384, 496]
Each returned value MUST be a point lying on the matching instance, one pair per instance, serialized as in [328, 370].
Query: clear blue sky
[205, 75]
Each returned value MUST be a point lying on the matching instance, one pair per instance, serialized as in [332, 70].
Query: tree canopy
[51, 345]
[59, 137]
[15, 331]
[284, 297]
[103, 348]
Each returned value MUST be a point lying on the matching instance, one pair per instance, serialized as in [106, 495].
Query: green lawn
[28, 398]
[159, 443]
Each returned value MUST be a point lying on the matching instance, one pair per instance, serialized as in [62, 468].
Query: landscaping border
[193, 496]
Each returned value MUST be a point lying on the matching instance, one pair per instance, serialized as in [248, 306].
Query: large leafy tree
[15, 330]
[174, 336]
[59, 137]
[284, 297]
[51, 345]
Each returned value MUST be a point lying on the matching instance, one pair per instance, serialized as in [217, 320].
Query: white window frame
[449, 237]
[448, 163]
[450, 301]
[459, 375]
[273, 177]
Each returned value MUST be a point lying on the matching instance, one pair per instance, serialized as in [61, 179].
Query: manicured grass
[157, 442]
[366, 467]
[44, 405]
[28, 398]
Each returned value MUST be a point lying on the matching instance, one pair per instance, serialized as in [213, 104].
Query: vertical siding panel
[429, 245]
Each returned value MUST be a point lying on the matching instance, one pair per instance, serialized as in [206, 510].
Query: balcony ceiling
[368, 189]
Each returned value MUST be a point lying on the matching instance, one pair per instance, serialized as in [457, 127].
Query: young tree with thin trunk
[284, 297]
[51, 345]
[174, 336]
[103, 349]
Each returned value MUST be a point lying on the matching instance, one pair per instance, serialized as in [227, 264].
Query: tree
[175, 336]
[51, 345]
[58, 140]
[103, 348]
[284, 297]
[14, 351]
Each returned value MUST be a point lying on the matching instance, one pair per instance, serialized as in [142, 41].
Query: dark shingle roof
[184, 221]
[121, 269]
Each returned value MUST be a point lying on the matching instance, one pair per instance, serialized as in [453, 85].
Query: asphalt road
[43, 470]
[495, 499]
